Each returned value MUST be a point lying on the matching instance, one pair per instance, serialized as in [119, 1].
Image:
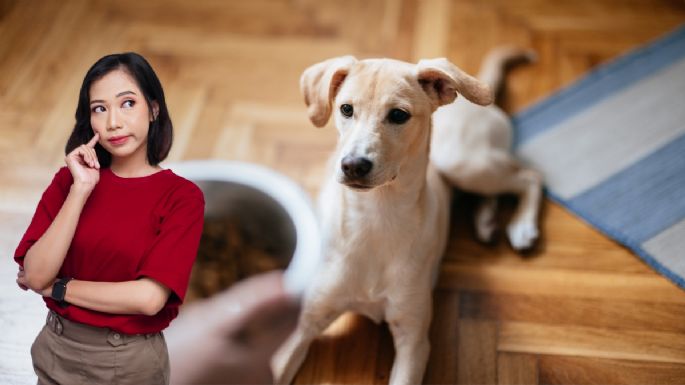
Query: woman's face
[120, 114]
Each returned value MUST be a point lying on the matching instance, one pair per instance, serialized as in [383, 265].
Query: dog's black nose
[356, 167]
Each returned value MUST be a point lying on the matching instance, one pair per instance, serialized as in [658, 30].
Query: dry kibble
[226, 255]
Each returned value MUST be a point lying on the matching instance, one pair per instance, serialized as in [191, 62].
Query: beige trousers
[67, 352]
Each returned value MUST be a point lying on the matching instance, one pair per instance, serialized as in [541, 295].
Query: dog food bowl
[255, 220]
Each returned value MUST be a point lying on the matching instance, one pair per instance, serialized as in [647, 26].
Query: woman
[113, 239]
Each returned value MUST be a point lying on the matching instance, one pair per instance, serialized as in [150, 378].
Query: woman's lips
[118, 140]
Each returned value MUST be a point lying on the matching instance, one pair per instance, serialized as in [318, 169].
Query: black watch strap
[59, 291]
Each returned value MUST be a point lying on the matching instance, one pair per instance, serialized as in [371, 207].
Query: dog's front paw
[522, 235]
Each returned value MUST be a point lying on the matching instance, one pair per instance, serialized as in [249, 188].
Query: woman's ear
[155, 111]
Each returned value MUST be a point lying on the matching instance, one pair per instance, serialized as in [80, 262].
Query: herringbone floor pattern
[579, 310]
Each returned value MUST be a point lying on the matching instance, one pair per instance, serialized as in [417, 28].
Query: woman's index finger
[93, 141]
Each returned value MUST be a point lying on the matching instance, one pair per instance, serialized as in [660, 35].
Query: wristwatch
[59, 291]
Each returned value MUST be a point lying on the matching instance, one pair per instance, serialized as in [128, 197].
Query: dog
[384, 208]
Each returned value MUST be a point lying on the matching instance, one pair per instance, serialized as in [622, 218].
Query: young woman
[113, 239]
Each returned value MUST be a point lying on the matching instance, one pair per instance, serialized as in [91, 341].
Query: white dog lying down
[385, 206]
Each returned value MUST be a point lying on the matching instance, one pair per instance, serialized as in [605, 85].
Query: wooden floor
[579, 310]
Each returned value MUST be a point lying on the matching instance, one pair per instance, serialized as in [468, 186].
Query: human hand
[230, 337]
[21, 279]
[23, 284]
[83, 164]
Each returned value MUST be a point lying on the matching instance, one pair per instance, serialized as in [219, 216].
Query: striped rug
[612, 150]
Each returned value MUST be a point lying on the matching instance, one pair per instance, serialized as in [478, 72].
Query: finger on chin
[93, 141]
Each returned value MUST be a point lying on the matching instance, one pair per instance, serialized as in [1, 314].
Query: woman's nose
[113, 120]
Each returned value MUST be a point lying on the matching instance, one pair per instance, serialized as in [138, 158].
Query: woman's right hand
[84, 166]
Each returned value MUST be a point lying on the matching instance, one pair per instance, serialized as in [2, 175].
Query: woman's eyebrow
[125, 93]
[118, 95]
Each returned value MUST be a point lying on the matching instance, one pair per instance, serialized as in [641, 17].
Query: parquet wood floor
[579, 310]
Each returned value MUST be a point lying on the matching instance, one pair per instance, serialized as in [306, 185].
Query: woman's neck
[132, 168]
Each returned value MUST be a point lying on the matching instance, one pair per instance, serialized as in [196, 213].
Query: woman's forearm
[142, 296]
[44, 259]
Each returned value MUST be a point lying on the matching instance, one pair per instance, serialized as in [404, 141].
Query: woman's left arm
[143, 296]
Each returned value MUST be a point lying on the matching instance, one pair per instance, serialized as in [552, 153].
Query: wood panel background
[580, 309]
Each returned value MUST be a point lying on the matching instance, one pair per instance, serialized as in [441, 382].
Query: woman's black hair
[160, 134]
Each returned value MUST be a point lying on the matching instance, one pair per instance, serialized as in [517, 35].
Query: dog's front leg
[409, 327]
[288, 359]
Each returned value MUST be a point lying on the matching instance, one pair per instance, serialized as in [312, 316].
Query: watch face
[58, 291]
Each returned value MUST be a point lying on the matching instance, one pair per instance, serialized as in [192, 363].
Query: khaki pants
[67, 352]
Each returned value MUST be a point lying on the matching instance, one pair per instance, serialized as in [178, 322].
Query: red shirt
[129, 228]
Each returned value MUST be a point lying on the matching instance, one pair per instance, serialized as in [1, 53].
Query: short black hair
[160, 134]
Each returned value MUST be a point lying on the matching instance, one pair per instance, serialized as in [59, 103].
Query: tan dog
[385, 207]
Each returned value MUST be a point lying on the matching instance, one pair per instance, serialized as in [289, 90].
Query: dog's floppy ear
[442, 80]
[319, 85]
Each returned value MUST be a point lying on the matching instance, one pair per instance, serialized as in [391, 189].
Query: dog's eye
[397, 116]
[346, 110]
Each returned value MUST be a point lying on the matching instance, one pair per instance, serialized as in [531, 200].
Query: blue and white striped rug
[612, 150]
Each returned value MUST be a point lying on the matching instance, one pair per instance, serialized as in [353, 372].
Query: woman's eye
[397, 116]
[128, 103]
[346, 110]
[98, 109]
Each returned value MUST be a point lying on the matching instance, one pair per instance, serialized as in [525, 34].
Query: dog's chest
[376, 249]
[374, 310]
[378, 234]
[381, 235]
[379, 252]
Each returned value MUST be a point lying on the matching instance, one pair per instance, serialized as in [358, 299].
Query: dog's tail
[498, 60]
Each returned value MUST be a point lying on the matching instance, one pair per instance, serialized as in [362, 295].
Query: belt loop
[59, 326]
[55, 323]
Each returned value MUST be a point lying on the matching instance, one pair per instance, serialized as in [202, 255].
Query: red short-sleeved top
[129, 228]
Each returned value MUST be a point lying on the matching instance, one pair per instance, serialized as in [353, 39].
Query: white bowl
[264, 194]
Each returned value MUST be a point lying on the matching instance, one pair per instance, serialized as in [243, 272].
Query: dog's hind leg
[484, 220]
[288, 359]
[522, 229]
[498, 172]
